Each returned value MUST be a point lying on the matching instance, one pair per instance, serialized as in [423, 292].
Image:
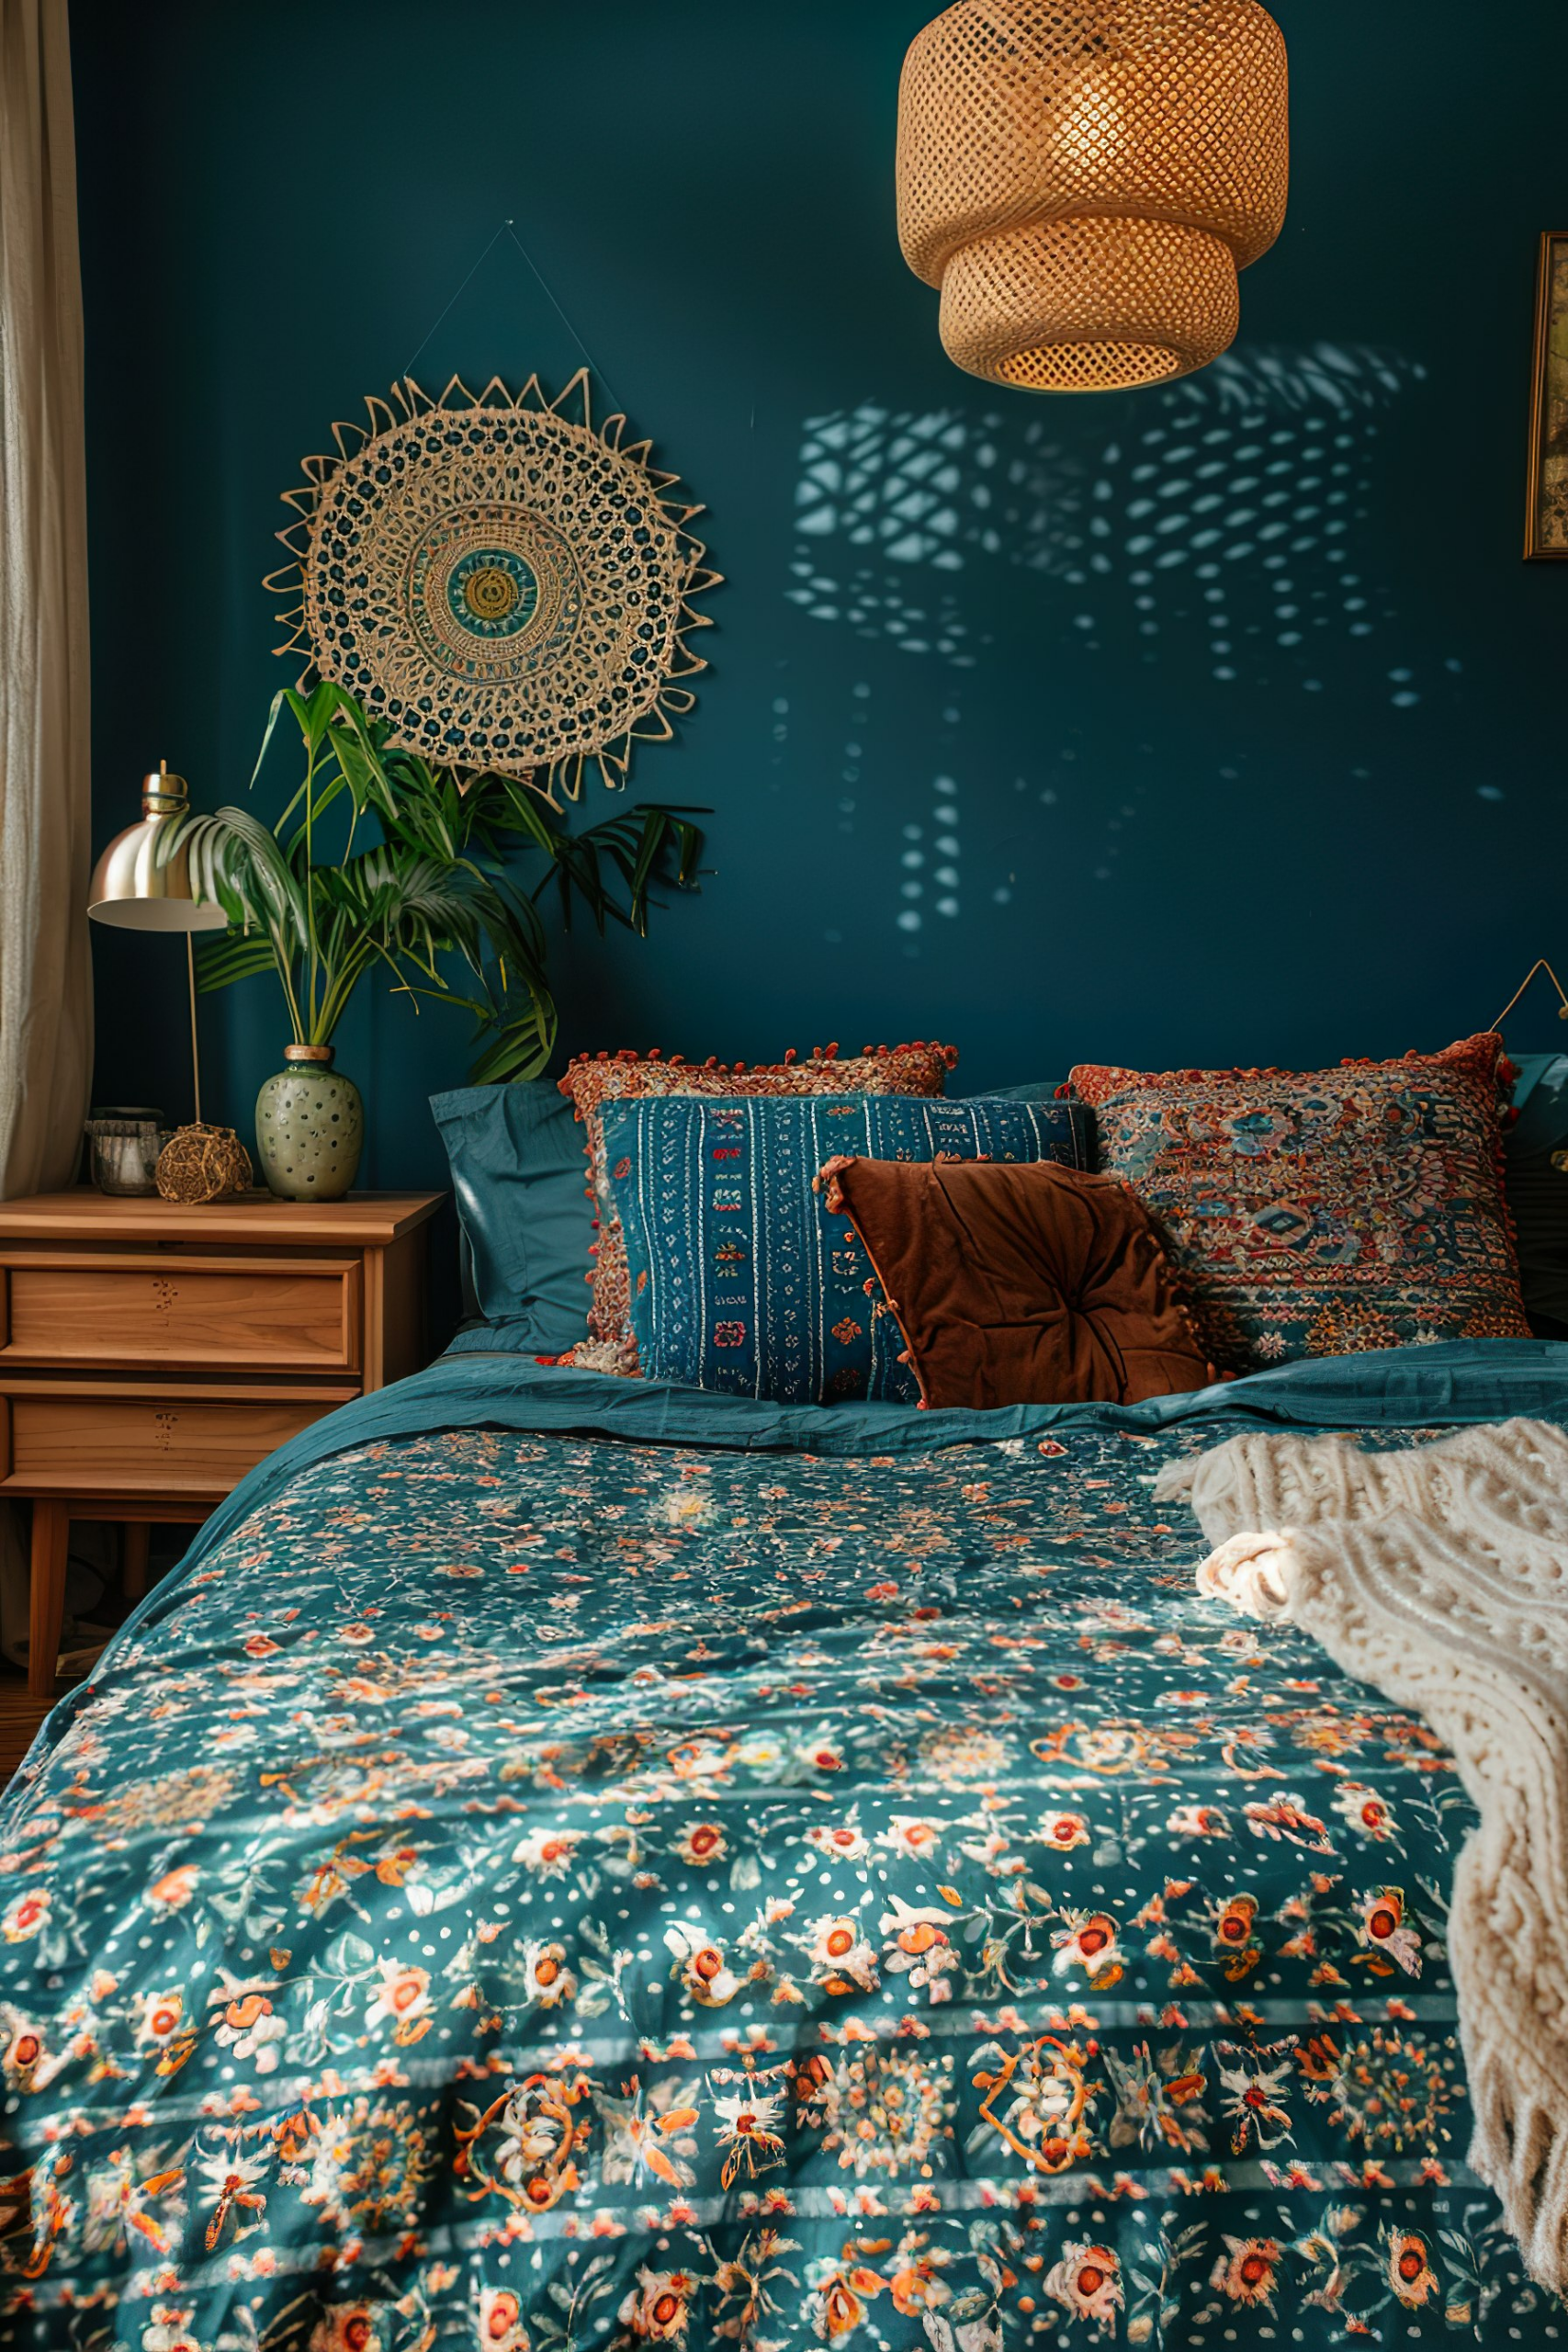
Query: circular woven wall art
[504, 584]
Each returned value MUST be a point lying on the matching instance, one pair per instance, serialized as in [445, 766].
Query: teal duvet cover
[571, 1864]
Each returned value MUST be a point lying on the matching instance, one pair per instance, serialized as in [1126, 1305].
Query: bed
[569, 1863]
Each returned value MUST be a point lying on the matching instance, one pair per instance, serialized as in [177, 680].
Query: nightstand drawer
[142, 1439]
[259, 1313]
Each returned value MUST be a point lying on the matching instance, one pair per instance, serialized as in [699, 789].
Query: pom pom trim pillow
[594, 1079]
[1021, 1285]
[1323, 1211]
[742, 1277]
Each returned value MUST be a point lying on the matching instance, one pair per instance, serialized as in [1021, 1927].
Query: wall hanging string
[1540, 965]
[507, 228]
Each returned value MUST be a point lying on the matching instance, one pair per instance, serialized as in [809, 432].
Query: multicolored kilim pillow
[1321, 1213]
[594, 1079]
[748, 1278]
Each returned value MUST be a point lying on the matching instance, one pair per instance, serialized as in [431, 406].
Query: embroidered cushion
[743, 1278]
[1021, 1285]
[594, 1079]
[1327, 1211]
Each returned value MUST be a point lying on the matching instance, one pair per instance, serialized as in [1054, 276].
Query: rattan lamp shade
[1084, 178]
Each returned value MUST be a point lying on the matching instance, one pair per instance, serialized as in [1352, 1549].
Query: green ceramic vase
[310, 1127]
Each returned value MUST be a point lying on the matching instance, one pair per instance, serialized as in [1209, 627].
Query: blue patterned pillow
[740, 1279]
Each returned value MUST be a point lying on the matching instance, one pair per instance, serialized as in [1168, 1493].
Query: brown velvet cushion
[1021, 1284]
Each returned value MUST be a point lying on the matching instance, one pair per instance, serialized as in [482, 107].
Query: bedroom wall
[1236, 697]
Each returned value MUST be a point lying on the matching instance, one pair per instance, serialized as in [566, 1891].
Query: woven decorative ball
[1084, 178]
[202, 1163]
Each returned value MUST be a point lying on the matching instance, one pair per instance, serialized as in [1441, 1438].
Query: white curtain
[46, 1012]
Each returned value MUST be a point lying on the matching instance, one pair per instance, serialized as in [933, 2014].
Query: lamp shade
[130, 889]
[1084, 178]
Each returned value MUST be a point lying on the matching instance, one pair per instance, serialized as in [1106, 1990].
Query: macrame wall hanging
[506, 584]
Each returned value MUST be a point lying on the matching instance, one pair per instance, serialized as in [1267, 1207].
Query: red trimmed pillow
[1327, 1211]
[1021, 1284]
[595, 1078]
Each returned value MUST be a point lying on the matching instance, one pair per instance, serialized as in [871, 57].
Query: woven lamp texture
[1084, 178]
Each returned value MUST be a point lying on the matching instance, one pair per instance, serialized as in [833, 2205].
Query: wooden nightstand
[151, 1354]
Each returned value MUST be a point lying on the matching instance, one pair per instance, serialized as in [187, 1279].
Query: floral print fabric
[537, 1892]
[1324, 1213]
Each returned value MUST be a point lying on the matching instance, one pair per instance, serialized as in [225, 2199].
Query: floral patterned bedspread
[541, 1892]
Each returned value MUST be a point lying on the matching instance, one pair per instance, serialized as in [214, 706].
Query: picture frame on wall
[1546, 510]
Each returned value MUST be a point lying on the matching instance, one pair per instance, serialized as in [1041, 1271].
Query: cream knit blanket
[1441, 1576]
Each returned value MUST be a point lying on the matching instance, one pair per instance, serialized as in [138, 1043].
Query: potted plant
[428, 900]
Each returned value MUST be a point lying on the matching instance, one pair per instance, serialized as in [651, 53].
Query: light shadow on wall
[1228, 502]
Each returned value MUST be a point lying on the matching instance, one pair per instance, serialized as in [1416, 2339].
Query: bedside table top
[87, 1215]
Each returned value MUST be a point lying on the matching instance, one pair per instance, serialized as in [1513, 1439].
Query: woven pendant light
[1084, 178]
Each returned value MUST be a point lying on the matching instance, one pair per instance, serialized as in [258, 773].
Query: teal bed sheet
[568, 1864]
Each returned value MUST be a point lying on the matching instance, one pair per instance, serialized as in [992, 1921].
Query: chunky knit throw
[1441, 1576]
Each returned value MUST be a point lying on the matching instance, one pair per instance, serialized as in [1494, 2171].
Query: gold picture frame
[1546, 507]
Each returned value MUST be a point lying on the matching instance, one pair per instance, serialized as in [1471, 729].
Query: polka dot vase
[310, 1127]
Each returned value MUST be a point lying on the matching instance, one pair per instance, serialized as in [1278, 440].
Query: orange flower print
[1063, 1831]
[1232, 1935]
[174, 1889]
[1368, 1814]
[1254, 2083]
[25, 2061]
[745, 2122]
[729, 1334]
[1410, 2274]
[840, 1955]
[659, 2306]
[403, 2001]
[1246, 2270]
[703, 1842]
[916, 2287]
[846, 1331]
[25, 1917]
[1386, 1937]
[1318, 2058]
[917, 1946]
[842, 1842]
[350, 2328]
[500, 2321]
[547, 1853]
[162, 2020]
[248, 2025]
[1088, 1944]
[545, 1978]
[1086, 2282]
[843, 2295]
[702, 1968]
[909, 1833]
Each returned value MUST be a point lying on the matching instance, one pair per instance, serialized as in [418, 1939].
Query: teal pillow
[521, 1183]
[740, 1279]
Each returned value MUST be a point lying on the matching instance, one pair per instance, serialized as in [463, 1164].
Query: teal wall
[1242, 712]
